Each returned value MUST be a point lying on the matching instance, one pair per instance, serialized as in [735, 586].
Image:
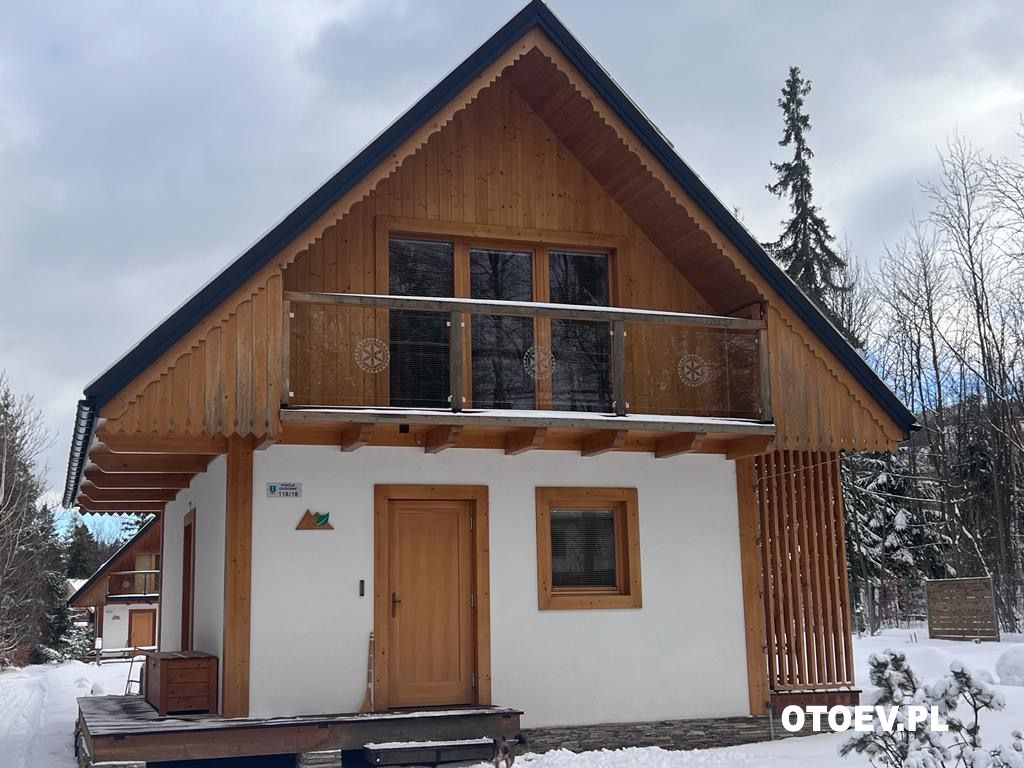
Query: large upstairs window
[515, 362]
[581, 381]
[500, 378]
[419, 340]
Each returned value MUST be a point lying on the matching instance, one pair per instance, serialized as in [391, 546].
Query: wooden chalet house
[514, 392]
[124, 595]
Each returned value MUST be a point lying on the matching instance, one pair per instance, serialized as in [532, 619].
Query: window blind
[583, 548]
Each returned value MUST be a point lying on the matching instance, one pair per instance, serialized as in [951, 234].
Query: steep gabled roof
[125, 549]
[535, 15]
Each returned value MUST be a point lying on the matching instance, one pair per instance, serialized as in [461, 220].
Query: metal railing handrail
[525, 309]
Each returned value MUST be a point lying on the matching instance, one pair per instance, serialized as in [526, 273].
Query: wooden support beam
[442, 438]
[102, 479]
[109, 461]
[325, 417]
[263, 442]
[749, 446]
[597, 443]
[673, 445]
[523, 440]
[199, 445]
[355, 437]
[88, 505]
[237, 578]
[127, 494]
[753, 587]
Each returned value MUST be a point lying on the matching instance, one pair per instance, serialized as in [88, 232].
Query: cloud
[144, 145]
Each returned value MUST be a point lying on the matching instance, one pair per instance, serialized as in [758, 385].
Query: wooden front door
[430, 582]
[141, 628]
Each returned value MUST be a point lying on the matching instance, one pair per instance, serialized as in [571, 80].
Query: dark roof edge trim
[115, 378]
[85, 425]
[602, 82]
[226, 282]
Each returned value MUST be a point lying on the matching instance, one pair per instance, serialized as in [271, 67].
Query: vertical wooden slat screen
[803, 554]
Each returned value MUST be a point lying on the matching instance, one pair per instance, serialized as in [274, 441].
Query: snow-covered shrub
[76, 642]
[899, 687]
[1010, 666]
[42, 654]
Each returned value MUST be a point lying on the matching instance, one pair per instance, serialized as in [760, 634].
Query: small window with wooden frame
[588, 548]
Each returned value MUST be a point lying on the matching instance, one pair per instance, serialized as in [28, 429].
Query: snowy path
[38, 710]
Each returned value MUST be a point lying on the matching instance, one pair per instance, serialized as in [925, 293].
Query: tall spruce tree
[804, 248]
[82, 555]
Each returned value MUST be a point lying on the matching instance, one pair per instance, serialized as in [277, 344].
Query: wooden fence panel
[803, 552]
[962, 609]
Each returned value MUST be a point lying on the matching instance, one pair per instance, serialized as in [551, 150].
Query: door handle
[394, 604]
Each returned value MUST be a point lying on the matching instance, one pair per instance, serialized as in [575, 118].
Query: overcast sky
[144, 145]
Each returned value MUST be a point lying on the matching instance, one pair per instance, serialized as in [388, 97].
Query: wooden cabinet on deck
[181, 681]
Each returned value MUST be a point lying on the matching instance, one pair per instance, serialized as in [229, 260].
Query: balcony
[374, 358]
[123, 585]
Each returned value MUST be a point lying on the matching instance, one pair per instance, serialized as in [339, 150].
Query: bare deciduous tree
[23, 526]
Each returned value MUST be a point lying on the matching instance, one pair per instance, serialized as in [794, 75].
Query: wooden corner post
[237, 577]
[753, 585]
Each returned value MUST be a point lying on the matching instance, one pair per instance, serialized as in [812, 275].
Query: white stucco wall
[170, 576]
[206, 495]
[681, 655]
[115, 623]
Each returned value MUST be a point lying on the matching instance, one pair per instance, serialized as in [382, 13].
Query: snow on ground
[930, 659]
[38, 711]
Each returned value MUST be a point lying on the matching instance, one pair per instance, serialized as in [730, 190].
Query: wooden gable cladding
[806, 598]
[842, 415]
[226, 381]
[498, 174]
[816, 406]
[158, 399]
[526, 145]
[555, 92]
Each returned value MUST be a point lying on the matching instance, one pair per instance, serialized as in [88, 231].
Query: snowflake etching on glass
[372, 355]
[539, 362]
[693, 370]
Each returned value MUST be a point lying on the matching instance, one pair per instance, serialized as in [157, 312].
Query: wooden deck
[127, 728]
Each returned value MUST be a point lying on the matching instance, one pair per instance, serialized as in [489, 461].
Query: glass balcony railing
[354, 350]
[141, 583]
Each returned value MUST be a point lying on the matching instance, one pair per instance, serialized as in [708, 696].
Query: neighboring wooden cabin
[124, 594]
[516, 335]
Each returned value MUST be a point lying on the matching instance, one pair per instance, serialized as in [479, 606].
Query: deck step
[431, 752]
